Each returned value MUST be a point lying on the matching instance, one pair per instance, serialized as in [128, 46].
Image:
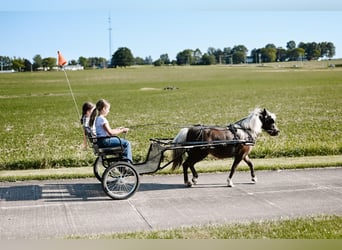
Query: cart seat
[102, 151]
[110, 150]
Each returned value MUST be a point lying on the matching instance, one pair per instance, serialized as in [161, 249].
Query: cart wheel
[99, 168]
[120, 180]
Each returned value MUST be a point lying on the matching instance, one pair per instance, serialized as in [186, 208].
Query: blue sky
[154, 27]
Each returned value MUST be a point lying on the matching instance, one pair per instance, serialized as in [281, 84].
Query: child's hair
[99, 106]
[85, 108]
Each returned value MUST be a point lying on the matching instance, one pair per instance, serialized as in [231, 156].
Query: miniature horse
[246, 129]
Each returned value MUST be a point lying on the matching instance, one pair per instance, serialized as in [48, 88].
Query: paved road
[58, 208]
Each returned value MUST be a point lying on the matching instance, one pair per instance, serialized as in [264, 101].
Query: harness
[233, 128]
[200, 136]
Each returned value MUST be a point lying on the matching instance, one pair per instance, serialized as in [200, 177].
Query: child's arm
[115, 131]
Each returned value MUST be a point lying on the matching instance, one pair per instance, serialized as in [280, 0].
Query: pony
[240, 138]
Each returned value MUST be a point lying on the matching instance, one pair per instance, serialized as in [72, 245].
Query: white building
[73, 67]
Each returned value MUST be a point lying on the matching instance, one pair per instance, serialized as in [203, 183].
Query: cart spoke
[120, 181]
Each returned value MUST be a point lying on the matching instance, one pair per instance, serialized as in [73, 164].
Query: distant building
[7, 71]
[73, 67]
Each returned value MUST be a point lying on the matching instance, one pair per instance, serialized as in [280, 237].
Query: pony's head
[258, 120]
[268, 120]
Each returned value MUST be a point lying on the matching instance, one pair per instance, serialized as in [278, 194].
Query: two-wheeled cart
[120, 177]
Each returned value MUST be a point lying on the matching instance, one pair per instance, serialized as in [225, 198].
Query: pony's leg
[194, 174]
[236, 162]
[186, 165]
[251, 167]
[193, 157]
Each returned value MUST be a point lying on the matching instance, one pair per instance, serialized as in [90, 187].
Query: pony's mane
[251, 122]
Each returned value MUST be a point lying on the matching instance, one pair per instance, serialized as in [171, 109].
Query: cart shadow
[74, 192]
[69, 192]
[53, 192]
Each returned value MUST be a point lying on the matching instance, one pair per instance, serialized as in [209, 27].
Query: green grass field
[39, 125]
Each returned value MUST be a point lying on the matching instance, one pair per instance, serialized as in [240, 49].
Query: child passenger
[104, 130]
[87, 109]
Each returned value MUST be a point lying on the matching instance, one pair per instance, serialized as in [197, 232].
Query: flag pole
[61, 63]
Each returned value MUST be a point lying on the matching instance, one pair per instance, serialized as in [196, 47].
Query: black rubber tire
[120, 180]
[99, 168]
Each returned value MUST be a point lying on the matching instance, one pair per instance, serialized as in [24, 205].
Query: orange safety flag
[61, 59]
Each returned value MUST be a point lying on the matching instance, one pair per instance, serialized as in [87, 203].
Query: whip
[61, 63]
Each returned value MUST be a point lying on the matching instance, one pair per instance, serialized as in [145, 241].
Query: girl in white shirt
[104, 130]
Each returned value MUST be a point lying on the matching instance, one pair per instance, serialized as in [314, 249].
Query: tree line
[123, 57]
[269, 53]
[236, 55]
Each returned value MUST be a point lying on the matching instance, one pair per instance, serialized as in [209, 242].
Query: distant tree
[255, 55]
[312, 50]
[49, 62]
[123, 57]
[5, 63]
[281, 54]
[227, 52]
[197, 56]
[291, 45]
[296, 54]
[219, 56]
[239, 57]
[158, 62]
[239, 53]
[18, 64]
[28, 65]
[217, 53]
[37, 62]
[139, 61]
[327, 49]
[211, 51]
[331, 50]
[72, 62]
[303, 45]
[270, 46]
[269, 54]
[208, 59]
[83, 61]
[185, 57]
[96, 62]
[164, 58]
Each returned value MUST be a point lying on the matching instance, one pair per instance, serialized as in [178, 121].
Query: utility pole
[110, 38]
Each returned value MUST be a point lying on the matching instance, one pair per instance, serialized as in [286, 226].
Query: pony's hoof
[188, 184]
[254, 179]
[194, 181]
[230, 183]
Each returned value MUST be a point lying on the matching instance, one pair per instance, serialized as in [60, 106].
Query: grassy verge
[318, 227]
[202, 167]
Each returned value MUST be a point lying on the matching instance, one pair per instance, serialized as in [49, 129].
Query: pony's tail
[177, 154]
